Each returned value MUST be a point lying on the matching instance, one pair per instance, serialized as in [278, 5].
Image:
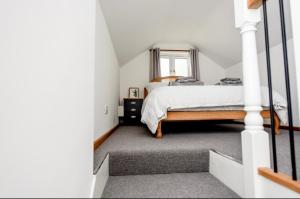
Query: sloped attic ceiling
[136, 25]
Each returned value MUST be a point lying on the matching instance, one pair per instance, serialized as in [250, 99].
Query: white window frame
[172, 56]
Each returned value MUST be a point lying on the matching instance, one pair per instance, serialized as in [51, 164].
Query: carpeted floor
[183, 185]
[158, 162]
[224, 138]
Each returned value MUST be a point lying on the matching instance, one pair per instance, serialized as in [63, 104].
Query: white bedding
[161, 99]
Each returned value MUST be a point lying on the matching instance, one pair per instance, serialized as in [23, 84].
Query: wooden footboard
[211, 115]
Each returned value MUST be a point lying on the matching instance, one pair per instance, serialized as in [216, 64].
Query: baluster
[267, 42]
[288, 91]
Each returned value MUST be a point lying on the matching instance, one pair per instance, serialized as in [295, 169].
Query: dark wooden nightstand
[132, 111]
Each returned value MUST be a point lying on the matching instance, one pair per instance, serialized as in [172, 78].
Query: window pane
[165, 67]
[182, 67]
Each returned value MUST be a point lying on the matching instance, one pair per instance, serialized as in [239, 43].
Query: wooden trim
[254, 4]
[100, 140]
[205, 115]
[169, 50]
[296, 128]
[166, 79]
[161, 79]
[280, 178]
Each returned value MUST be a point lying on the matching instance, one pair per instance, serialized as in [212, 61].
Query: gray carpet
[224, 138]
[158, 162]
[283, 152]
[195, 185]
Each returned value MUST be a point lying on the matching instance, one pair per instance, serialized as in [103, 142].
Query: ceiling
[136, 25]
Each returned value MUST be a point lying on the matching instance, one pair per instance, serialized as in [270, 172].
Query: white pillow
[153, 85]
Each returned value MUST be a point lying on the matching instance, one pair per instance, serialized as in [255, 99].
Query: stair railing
[288, 88]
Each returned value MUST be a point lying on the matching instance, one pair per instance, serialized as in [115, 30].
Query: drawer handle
[132, 102]
[133, 110]
[133, 117]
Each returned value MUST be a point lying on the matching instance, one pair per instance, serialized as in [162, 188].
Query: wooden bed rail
[254, 4]
[211, 115]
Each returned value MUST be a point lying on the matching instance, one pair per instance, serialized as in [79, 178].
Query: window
[175, 64]
[165, 67]
[181, 67]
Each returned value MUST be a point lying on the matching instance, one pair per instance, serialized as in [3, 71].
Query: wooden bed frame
[205, 115]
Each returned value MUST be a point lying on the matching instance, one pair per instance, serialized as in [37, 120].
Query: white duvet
[161, 99]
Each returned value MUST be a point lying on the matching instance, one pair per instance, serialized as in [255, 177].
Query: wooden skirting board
[296, 128]
[104, 137]
[280, 178]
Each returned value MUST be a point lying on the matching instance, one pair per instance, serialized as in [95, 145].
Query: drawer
[132, 119]
[132, 115]
[132, 110]
[131, 103]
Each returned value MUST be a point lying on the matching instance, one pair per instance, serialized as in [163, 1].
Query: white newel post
[255, 141]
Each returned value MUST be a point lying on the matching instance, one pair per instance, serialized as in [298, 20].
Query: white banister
[255, 141]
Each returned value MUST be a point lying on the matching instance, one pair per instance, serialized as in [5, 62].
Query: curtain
[154, 63]
[194, 54]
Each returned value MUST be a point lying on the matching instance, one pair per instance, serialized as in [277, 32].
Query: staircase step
[184, 185]
[158, 162]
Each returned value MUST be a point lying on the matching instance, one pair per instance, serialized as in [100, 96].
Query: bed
[166, 104]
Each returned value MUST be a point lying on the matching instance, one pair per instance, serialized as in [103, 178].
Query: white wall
[235, 71]
[107, 77]
[210, 72]
[295, 5]
[277, 74]
[136, 72]
[47, 102]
